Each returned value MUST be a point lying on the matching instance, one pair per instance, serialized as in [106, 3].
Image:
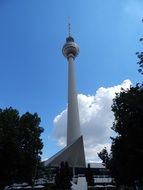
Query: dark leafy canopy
[89, 176]
[127, 148]
[140, 57]
[126, 158]
[20, 145]
[103, 155]
[63, 176]
[140, 62]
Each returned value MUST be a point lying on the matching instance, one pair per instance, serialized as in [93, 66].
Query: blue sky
[33, 74]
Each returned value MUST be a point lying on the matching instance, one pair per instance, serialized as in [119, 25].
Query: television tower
[73, 153]
[70, 51]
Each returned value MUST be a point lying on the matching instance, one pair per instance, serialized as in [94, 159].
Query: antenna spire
[69, 38]
[69, 26]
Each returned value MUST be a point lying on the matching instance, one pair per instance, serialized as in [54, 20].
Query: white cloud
[96, 119]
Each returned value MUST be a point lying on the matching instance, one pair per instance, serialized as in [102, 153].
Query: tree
[89, 176]
[140, 57]
[20, 145]
[30, 144]
[63, 176]
[125, 161]
[127, 147]
[104, 156]
[9, 153]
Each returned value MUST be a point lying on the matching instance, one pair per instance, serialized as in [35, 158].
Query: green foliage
[50, 186]
[20, 145]
[125, 159]
[63, 176]
[140, 62]
[127, 148]
[45, 172]
[140, 57]
[89, 176]
[104, 156]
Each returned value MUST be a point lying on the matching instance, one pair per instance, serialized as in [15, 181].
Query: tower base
[73, 154]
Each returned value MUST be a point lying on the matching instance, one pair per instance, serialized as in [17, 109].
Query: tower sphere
[70, 48]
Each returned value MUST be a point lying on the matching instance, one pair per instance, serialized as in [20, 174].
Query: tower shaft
[73, 153]
[73, 123]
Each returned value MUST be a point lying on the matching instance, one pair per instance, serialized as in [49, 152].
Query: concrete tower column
[70, 51]
[73, 123]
